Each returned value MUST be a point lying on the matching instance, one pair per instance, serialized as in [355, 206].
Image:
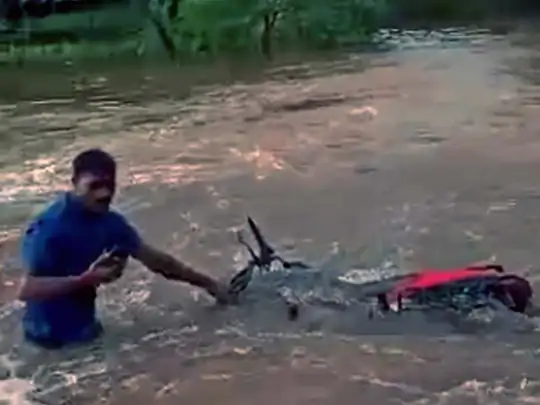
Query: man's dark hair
[95, 161]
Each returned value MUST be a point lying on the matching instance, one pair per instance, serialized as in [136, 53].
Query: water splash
[14, 390]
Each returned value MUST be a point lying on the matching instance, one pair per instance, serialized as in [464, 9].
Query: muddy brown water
[424, 155]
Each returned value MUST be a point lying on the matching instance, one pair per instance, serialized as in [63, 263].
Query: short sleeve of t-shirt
[127, 238]
[40, 250]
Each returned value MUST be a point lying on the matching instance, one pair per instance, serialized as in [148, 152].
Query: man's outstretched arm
[171, 268]
[162, 263]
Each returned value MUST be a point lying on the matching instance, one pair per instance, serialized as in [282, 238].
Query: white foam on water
[7, 310]
[13, 390]
[54, 374]
[363, 276]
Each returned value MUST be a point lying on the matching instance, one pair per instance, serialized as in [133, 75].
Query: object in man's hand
[113, 260]
[119, 263]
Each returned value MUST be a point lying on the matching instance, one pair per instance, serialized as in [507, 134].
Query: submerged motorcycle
[460, 289]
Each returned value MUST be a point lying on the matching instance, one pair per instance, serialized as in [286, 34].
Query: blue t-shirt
[64, 240]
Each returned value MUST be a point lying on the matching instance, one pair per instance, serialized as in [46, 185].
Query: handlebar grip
[496, 267]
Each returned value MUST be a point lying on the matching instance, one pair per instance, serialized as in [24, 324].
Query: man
[78, 244]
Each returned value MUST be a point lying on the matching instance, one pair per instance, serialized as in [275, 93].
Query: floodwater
[426, 154]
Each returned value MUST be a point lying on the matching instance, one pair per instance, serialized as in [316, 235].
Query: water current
[424, 154]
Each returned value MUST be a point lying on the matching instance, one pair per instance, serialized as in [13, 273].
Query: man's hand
[105, 269]
[221, 293]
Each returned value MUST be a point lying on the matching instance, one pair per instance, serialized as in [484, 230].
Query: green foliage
[209, 26]
[216, 26]
[212, 28]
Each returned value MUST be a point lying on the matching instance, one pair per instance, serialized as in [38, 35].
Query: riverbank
[199, 30]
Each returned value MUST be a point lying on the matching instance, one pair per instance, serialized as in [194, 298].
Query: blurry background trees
[183, 29]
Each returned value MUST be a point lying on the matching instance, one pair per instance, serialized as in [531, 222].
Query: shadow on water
[352, 162]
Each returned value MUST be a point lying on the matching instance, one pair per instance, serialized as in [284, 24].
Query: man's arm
[47, 287]
[173, 269]
[159, 262]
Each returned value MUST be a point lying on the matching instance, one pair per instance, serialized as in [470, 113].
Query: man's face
[96, 191]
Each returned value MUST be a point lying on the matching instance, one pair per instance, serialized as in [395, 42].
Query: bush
[216, 26]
